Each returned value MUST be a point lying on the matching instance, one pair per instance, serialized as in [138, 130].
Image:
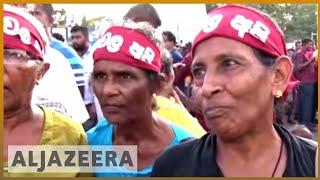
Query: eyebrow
[219, 58]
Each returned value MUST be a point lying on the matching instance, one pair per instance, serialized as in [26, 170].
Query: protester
[44, 13]
[239, 71]
[143, 13]
[124, 82]
[297, 45]
[168, 102]
[24, 65]
[170, 42]
[58, 87]
[305, 71]
[80, 43]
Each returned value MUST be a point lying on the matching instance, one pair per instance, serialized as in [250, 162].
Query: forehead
[216, 46]
[114, 67]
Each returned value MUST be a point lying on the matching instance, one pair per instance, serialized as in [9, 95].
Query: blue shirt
[73, 58]
[176, 56]
[102, 134]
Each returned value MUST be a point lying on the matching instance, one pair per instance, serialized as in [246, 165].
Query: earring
[278, 94]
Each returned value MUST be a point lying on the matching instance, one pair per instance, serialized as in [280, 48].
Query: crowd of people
[235, 102]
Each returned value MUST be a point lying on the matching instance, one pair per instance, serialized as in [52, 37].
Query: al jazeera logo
[64, 159]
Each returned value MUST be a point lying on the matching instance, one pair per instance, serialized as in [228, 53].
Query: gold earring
[278, 94]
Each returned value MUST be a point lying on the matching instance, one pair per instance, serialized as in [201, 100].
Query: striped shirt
[73, 58]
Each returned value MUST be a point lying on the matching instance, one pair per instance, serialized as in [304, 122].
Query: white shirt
[58, 85]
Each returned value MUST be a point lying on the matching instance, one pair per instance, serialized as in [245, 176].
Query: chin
[114, 119]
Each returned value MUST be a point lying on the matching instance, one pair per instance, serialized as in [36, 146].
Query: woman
[24, 66]
[168, 103]
[125, 77]
[240, 69]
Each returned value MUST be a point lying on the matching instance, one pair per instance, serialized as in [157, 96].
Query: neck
[13, 118]
[137, 130]
[251, 146]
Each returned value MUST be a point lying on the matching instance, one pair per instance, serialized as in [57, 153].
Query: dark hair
[305, 41]
[266, 59]
[144, 12]
[58, 36]
[297, 42]
[48, 9]
[154, 79]
[83, 29]
[170, 36]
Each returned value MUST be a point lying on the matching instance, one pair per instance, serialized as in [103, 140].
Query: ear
[157, 84]
[42, 69]
[282, 73]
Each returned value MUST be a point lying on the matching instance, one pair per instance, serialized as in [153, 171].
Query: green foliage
[60, 18]
[297, 21]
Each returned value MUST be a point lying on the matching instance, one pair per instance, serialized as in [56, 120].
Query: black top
[198, 158]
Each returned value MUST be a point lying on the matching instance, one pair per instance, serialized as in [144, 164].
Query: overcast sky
[184, 20]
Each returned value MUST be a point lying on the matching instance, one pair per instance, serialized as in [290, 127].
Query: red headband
[246, 25]
[23, 31]
[128, 46]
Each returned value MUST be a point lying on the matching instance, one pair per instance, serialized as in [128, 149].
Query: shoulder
[298, 143]
[177, 160]
[65, 126]
[301, 154]
[180, 133]
[65, 49]
[101, 134]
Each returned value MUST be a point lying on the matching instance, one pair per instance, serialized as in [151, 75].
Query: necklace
[278, 161]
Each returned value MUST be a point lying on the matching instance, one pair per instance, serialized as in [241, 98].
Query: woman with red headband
[240, 69]
[24, 123]
[125, 77]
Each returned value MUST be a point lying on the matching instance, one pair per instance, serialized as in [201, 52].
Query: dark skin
[79, 42]
[236, 95]
[306, 47]
[125, 96]
[21, 119]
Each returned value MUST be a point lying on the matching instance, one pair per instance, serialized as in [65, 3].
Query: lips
[111, 108]
[215, 112]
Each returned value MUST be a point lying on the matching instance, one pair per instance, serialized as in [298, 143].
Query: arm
[300, 65]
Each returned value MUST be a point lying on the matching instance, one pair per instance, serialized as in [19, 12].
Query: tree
[297, 21]
[91, 23]
[60, 18]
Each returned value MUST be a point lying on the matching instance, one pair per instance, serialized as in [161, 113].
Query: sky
[184, 20]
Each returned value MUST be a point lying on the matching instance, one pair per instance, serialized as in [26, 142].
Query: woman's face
[232, 87]
[122, 90]
[20, 77]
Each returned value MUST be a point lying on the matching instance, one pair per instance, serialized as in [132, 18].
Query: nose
[211, 85]
[110, 89]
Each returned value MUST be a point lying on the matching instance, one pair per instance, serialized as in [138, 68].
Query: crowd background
[71, 85]
[76, 41]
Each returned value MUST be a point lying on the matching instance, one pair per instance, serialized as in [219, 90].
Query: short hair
[306, 41]
[144, 12]
[83, 29]
[170, 36]
[58, 36]
[48, 9]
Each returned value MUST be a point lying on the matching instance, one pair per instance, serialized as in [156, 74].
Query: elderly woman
[126, 76]
[24, 123]
[239, 70]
